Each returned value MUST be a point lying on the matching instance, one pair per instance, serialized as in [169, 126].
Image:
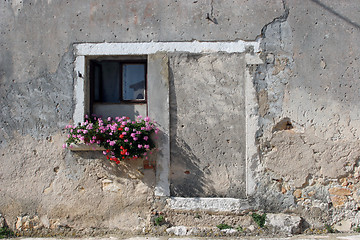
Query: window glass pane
[133, 82]
[110, 81]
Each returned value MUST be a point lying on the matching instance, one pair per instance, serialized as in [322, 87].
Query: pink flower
[140, 146]
[112, 143]
[146, 138]
[126, 129]
[64, 146]
[146, 119]
[132, 135]
[146, 146]
[135, 138]
[126, 140]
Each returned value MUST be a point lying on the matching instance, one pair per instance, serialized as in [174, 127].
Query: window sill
[84, 147]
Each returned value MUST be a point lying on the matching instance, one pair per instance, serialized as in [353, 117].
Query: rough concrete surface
[207, 148]
[306, 107]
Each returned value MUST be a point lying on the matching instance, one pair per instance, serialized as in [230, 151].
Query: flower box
[85, 147]
[119, 139]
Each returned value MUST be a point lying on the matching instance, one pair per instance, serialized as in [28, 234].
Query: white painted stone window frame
[161, 105]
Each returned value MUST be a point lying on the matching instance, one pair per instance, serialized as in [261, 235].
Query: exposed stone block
[338, 201]
[340, 191]
[343, 226]
[2, 221]
[284, 223]
[178, 230]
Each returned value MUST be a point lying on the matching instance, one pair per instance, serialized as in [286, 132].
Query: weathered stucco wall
[306, 99]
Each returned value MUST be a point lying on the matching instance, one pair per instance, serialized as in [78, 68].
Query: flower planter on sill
[85, 147]
[121, 139]
[82, 147]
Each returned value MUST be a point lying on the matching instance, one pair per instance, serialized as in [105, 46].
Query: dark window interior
[115, 81]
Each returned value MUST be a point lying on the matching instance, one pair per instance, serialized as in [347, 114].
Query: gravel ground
[297, 237]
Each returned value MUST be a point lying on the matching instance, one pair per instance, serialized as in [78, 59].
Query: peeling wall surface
[304, 108]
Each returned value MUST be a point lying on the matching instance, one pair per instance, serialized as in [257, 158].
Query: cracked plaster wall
[310, 75]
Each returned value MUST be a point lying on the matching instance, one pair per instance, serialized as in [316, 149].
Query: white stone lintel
[145, 48]
[209, 204]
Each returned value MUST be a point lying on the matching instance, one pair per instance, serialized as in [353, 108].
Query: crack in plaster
[282, 18]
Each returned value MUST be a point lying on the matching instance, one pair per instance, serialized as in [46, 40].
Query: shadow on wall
[133, 168]
[127, 169]
[329, 9]
[186, 177]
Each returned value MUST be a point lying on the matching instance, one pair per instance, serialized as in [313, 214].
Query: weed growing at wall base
[223, 226]
[259, 219]
[6, 233]
[159, 220]
[122, 138]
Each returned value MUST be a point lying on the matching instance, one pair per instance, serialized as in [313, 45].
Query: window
[118, 87]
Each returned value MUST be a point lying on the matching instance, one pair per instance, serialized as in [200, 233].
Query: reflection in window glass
[133, 82]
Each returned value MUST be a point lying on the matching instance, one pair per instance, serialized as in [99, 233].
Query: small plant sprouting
[329, 229]
[357, 229]
[159, 220]
[197, 216]
[223, 226]
[259, 219]
[5, 232]
[240, 228]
